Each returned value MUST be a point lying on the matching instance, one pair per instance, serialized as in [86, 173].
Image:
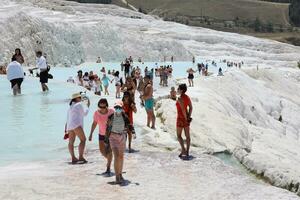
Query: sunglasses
[118, 107]
[102, 107]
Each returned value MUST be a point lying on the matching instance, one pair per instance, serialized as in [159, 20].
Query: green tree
[269, 27]
[257, 25]
[294, 12]
[281, 28]
[236, 21]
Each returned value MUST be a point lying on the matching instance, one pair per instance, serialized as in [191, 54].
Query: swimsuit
[149, 104]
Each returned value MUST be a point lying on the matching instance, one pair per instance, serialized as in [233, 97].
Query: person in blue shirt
[105, 81]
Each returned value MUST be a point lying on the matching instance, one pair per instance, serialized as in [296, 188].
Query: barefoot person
[74, 127]
[15, 75]
[100, 119]
[79, 78]
[129, 108]
[41, 64]
[184, 112]
[98, 60]
[105, 80]
[117, 127]
[118, 84]
[19, 56]
[149, 101]
[191, 77]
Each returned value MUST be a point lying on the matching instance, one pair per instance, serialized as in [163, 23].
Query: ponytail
[71, 102]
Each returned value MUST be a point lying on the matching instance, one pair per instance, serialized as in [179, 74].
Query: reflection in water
[17, 108]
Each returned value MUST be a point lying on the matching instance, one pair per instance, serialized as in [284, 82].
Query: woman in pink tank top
[100, 119]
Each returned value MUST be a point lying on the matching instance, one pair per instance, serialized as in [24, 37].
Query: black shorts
[17, 81]
[191, 76]
[101, 137]
[44, 76]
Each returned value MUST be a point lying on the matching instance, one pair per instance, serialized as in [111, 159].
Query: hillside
[276, 13]
[263, 19]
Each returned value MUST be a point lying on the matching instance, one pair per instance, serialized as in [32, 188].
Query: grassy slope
[219, 9]
[224, 10]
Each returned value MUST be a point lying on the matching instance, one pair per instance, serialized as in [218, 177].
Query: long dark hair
[17, 49]
[130, 99]
[72, 101]
[102, 101]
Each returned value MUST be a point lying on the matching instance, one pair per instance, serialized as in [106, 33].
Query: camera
[83, 96]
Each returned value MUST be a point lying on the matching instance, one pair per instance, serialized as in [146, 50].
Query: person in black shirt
[126, 69]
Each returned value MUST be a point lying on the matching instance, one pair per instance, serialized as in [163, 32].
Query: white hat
[76, 95]
[119, 103]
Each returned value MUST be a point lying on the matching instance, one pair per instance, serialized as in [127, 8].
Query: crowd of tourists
[115, 121]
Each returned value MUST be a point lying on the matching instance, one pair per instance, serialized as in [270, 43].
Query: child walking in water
[100, 119]
[105, 82]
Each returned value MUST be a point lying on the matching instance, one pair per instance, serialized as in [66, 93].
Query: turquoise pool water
[32, 124]
[179, 68]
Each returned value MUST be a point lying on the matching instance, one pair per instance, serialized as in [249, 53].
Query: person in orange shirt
[184, 113]
[129, 108]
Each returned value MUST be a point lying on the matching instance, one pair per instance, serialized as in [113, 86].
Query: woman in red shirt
[129, 107]
[184, 113]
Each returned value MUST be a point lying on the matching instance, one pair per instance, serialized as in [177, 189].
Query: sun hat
[76, 95]
[119, 103]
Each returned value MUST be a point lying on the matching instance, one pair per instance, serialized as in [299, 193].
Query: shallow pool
[32, 124]
[179, 68]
